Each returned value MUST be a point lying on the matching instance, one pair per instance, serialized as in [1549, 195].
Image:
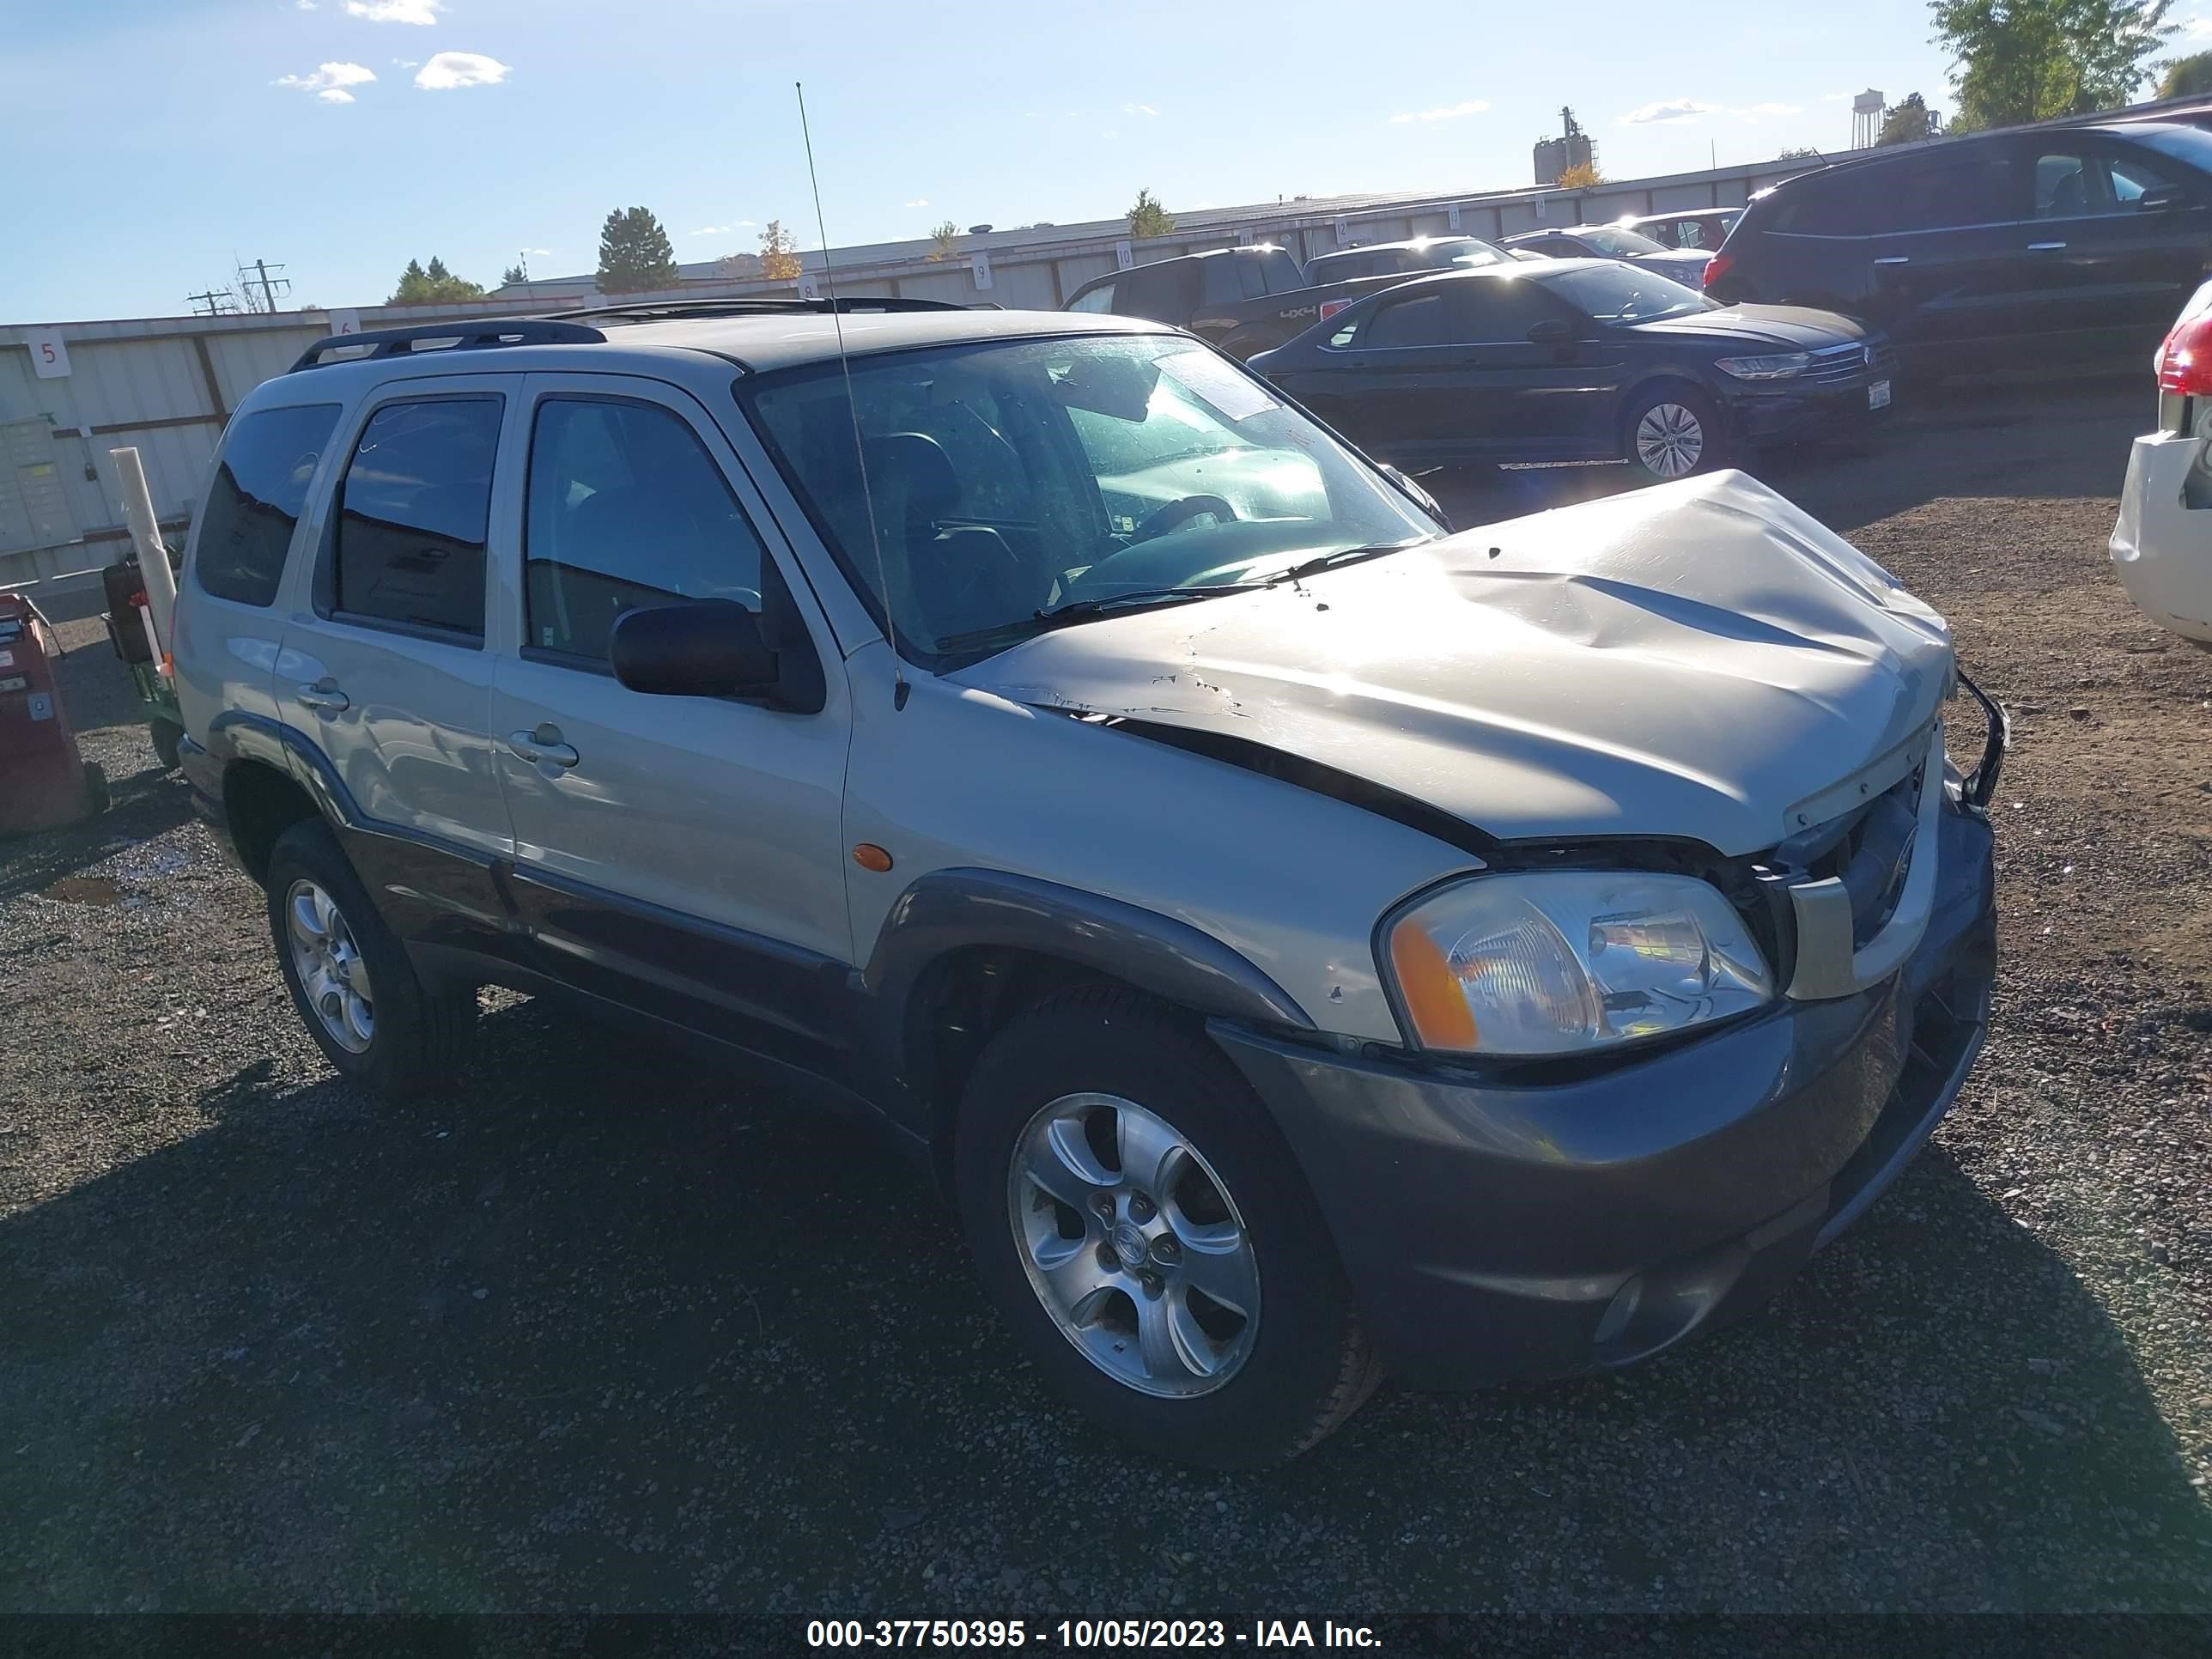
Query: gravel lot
[569, 1341]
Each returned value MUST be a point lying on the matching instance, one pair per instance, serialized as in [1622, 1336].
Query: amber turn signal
[869, 856]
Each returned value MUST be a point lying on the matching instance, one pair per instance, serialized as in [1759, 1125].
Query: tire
[415, 1038]
[166, 735]
[1283, 1374]
[1644, 450]
[97, 795]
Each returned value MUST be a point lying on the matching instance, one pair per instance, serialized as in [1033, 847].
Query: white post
[146, 536]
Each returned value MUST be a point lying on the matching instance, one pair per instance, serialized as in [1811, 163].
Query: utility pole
[258, 273]
[216, 300]
[524, 266]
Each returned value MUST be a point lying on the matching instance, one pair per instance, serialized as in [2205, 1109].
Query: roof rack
[649, 311]
[453, 336]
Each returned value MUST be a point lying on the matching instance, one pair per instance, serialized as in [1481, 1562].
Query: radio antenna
[845, 366]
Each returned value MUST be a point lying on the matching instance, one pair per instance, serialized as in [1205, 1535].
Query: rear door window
[1831, 204]
[1099, 299]
[259, 490]
[1221, 286]
[1944, 192]
[412, 512]
[1418, 320]
[1501, 311]
[1282, 273]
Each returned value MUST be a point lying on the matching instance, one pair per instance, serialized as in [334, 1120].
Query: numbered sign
[1452, 215]
[344, 322]
[1344, 232]
[810, 285]
[981, 265]
[49, 353]
[1124, 256]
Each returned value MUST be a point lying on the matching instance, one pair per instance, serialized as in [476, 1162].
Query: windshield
[1622, 243]
[1015, 477]
[1617, 294]
[1466, 252]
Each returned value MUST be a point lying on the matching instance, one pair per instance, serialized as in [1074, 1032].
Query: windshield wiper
[1139, 598]
[1344, 555]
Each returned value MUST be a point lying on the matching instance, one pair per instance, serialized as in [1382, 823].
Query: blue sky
[155, 139]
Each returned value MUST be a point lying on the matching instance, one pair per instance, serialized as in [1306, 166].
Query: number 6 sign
[49, 353]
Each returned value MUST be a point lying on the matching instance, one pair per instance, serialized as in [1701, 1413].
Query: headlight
[1558, 961]
[1778, 368]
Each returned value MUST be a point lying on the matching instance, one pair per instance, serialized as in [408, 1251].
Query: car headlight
[1560, 962]
[1780, 367]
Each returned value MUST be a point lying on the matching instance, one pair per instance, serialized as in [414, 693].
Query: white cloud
[919, 201]
[329, 82]
[1138, 109]
[422, 13]
[303, 5]
[1674, 109]
[730, 230]
[459, 68]
[1449, 112]
[407, 62]
[538, 251]
[2196, 27]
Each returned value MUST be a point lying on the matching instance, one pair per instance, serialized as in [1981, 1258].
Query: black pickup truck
[1244, 300]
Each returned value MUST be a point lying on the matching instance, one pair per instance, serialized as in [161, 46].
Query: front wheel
[1151, 1240]
[1673, 432]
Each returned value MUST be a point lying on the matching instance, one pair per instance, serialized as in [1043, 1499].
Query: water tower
[1866, 119]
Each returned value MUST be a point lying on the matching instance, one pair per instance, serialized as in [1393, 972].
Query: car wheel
[350, 978]
[166, 735]
[1149, 1238]
[1673, 432]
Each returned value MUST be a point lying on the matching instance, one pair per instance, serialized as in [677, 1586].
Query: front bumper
[2161, 546]
[1498, 1231]
[1782, 414]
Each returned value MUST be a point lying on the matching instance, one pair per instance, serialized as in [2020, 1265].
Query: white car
[2162, 545]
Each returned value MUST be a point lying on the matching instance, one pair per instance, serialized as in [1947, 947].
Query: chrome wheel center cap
[1129, 1244]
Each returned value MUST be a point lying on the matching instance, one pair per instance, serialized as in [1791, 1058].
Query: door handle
[2045, 248]
[1894, 259]
[324, 698]
[542, 746]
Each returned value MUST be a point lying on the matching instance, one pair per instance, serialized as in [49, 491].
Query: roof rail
[650, 311]
[475, 334]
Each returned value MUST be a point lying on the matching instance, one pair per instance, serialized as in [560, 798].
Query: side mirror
[2159, 197]
[1413, 493]
[1553, 331]
[693, 648]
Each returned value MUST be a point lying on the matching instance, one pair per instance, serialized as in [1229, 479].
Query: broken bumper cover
[1497, 1231]
[2161, 546]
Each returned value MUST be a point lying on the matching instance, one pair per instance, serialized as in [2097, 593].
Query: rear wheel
[1150, 1238]
[1673, 432]
[350, 978]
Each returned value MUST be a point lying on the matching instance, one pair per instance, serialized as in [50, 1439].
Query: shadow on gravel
[29, 864]
[1967, 440]
[612, 1330]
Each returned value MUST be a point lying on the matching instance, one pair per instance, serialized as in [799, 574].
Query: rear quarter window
[259, 490]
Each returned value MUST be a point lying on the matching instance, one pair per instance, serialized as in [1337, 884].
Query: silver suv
[1297, 939]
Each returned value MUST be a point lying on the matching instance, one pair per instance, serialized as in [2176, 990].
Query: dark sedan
[1686, 266]
[1571, 360]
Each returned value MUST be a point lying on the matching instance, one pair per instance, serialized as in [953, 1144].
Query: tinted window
[1944, 193]
[1418, 321]
[2131, 176]
[1830, 205]
[1623, 294]
[2065, 186]
[1617, 243]
[1503, 308]
[2191, 145]
[1221, 286]
[1099, 299]
[411, 515]
[258, 490]
[627, 509]
[1280, 272]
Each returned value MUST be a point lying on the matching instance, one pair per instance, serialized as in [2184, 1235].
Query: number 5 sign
[49, 353]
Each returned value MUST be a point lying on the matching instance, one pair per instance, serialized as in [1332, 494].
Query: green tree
[512, 274]
[2187, 78]
[1909, 122]
[944, 241]
[1148, 217]
[421, 285]
[634, 256]
[2031, 60]
[779, 254]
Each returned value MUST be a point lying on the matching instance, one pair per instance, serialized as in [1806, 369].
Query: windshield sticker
[1235, 395]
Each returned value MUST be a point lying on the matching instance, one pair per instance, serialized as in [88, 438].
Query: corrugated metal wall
[165, 384]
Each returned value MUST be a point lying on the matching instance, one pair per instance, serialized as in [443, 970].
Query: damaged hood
[1697, 659]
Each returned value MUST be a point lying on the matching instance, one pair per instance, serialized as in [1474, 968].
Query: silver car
[1299, 940]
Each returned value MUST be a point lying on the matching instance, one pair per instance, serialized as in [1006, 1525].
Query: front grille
[1835, 365]
[1870, 851]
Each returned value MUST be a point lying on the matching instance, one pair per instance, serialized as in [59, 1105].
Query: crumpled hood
[1692, 660]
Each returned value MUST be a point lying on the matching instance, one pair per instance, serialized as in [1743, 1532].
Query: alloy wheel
[1669, 440]
[1134, 1245]
[329, 966]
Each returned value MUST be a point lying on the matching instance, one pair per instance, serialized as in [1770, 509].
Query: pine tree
[634, 255]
